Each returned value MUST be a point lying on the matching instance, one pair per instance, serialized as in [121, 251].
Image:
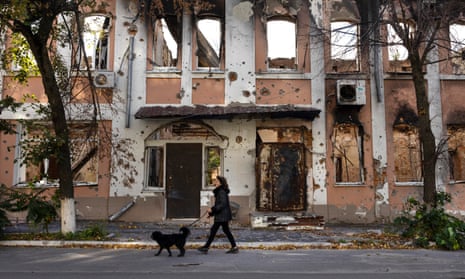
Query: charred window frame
[407, 155]
[457, 46]
[396, 49]
[213, 164]
[210, 42]
[166, 42]
[456, 150]
[96, 43]
[345, 46]
[44, 172]
[154, 162]
[281, 37]
[348, 154]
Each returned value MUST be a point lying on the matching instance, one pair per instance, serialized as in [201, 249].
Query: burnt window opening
[456, 149]
[344, 46]
[209, 34]
[154, 164]
[281, 39]
[213, 155]
[348, 153]
[396, 49]
[407, 154]
[43, 170]
[166, 40]
[95, 35]
[457, 47]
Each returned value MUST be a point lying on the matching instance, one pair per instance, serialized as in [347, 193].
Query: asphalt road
[71, 263]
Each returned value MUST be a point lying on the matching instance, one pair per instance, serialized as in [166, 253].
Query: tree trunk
[426, 134]
[60, 126]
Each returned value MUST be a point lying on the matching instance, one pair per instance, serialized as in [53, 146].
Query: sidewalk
[137, 235]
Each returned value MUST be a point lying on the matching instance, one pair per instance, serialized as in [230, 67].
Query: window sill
[407, 184]
[153, 190]
[43, 184]
[350, 184]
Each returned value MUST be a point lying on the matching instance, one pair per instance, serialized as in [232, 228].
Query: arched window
[407, 154]
[209, 42]
[344, 46]
[165, 45]
[344, 40]
[396, 49]
[456, 148]
[348, 156]
[96, 30]
[281, 43]
[457, 37]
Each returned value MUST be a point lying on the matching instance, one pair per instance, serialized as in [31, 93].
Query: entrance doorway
[183, 180]
[281, 177]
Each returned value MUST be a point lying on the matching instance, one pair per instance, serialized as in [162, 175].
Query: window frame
[354, 46]
[106, 32]
[221, 47]
[360, 157]
[21, 169]
[160, 168]
[400, 128]
[269, 59]
[154, 50]
[451, 134]
[206, 184]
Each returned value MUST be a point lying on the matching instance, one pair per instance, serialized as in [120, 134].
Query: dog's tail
[185, 231]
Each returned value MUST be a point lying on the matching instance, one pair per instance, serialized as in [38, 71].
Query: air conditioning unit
[351, 92]
[104, 79]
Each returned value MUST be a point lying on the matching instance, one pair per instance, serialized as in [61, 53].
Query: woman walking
[221, 212]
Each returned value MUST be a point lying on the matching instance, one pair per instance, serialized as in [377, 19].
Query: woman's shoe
[203, 249]
[233, 250]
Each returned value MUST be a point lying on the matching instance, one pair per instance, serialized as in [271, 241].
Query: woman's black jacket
[221, 210]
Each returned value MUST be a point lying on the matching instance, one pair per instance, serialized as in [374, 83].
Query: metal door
[183, 180]
[281, 177]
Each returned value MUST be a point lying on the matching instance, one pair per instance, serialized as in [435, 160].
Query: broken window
[209, 42]
[457, 45]
[213, 164]
[95, 35]
[456, 148]
[344, 46]
[281, 43]
[41, 166]
[165, 42]
[154, 162]
[457, 38]
[348, 157]
[407, 153]
[396, 49]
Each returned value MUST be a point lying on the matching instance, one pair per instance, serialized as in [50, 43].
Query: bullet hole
[265, 92]
[232, 76]
[246, 93]
[238, 139]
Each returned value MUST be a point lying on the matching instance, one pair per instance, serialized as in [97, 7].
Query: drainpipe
[123, 210]
[132, 30]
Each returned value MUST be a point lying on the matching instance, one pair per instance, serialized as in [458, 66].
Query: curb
[150, 245]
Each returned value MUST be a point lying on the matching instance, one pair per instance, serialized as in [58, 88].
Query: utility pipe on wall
[132, 30]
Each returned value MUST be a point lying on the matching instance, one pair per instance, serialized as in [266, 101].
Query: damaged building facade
[303, 115]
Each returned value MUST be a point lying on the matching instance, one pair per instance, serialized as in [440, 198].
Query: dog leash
[203, 215]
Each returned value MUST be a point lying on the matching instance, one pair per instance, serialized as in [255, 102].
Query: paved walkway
[124, 234]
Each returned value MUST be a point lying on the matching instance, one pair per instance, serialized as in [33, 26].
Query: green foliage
[40, 211]
[94, 232]
[19, 55]
[430, 223]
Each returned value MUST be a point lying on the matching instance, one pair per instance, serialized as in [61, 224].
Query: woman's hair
[223, 181]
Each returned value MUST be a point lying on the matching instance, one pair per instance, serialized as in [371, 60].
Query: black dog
[165, 241]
